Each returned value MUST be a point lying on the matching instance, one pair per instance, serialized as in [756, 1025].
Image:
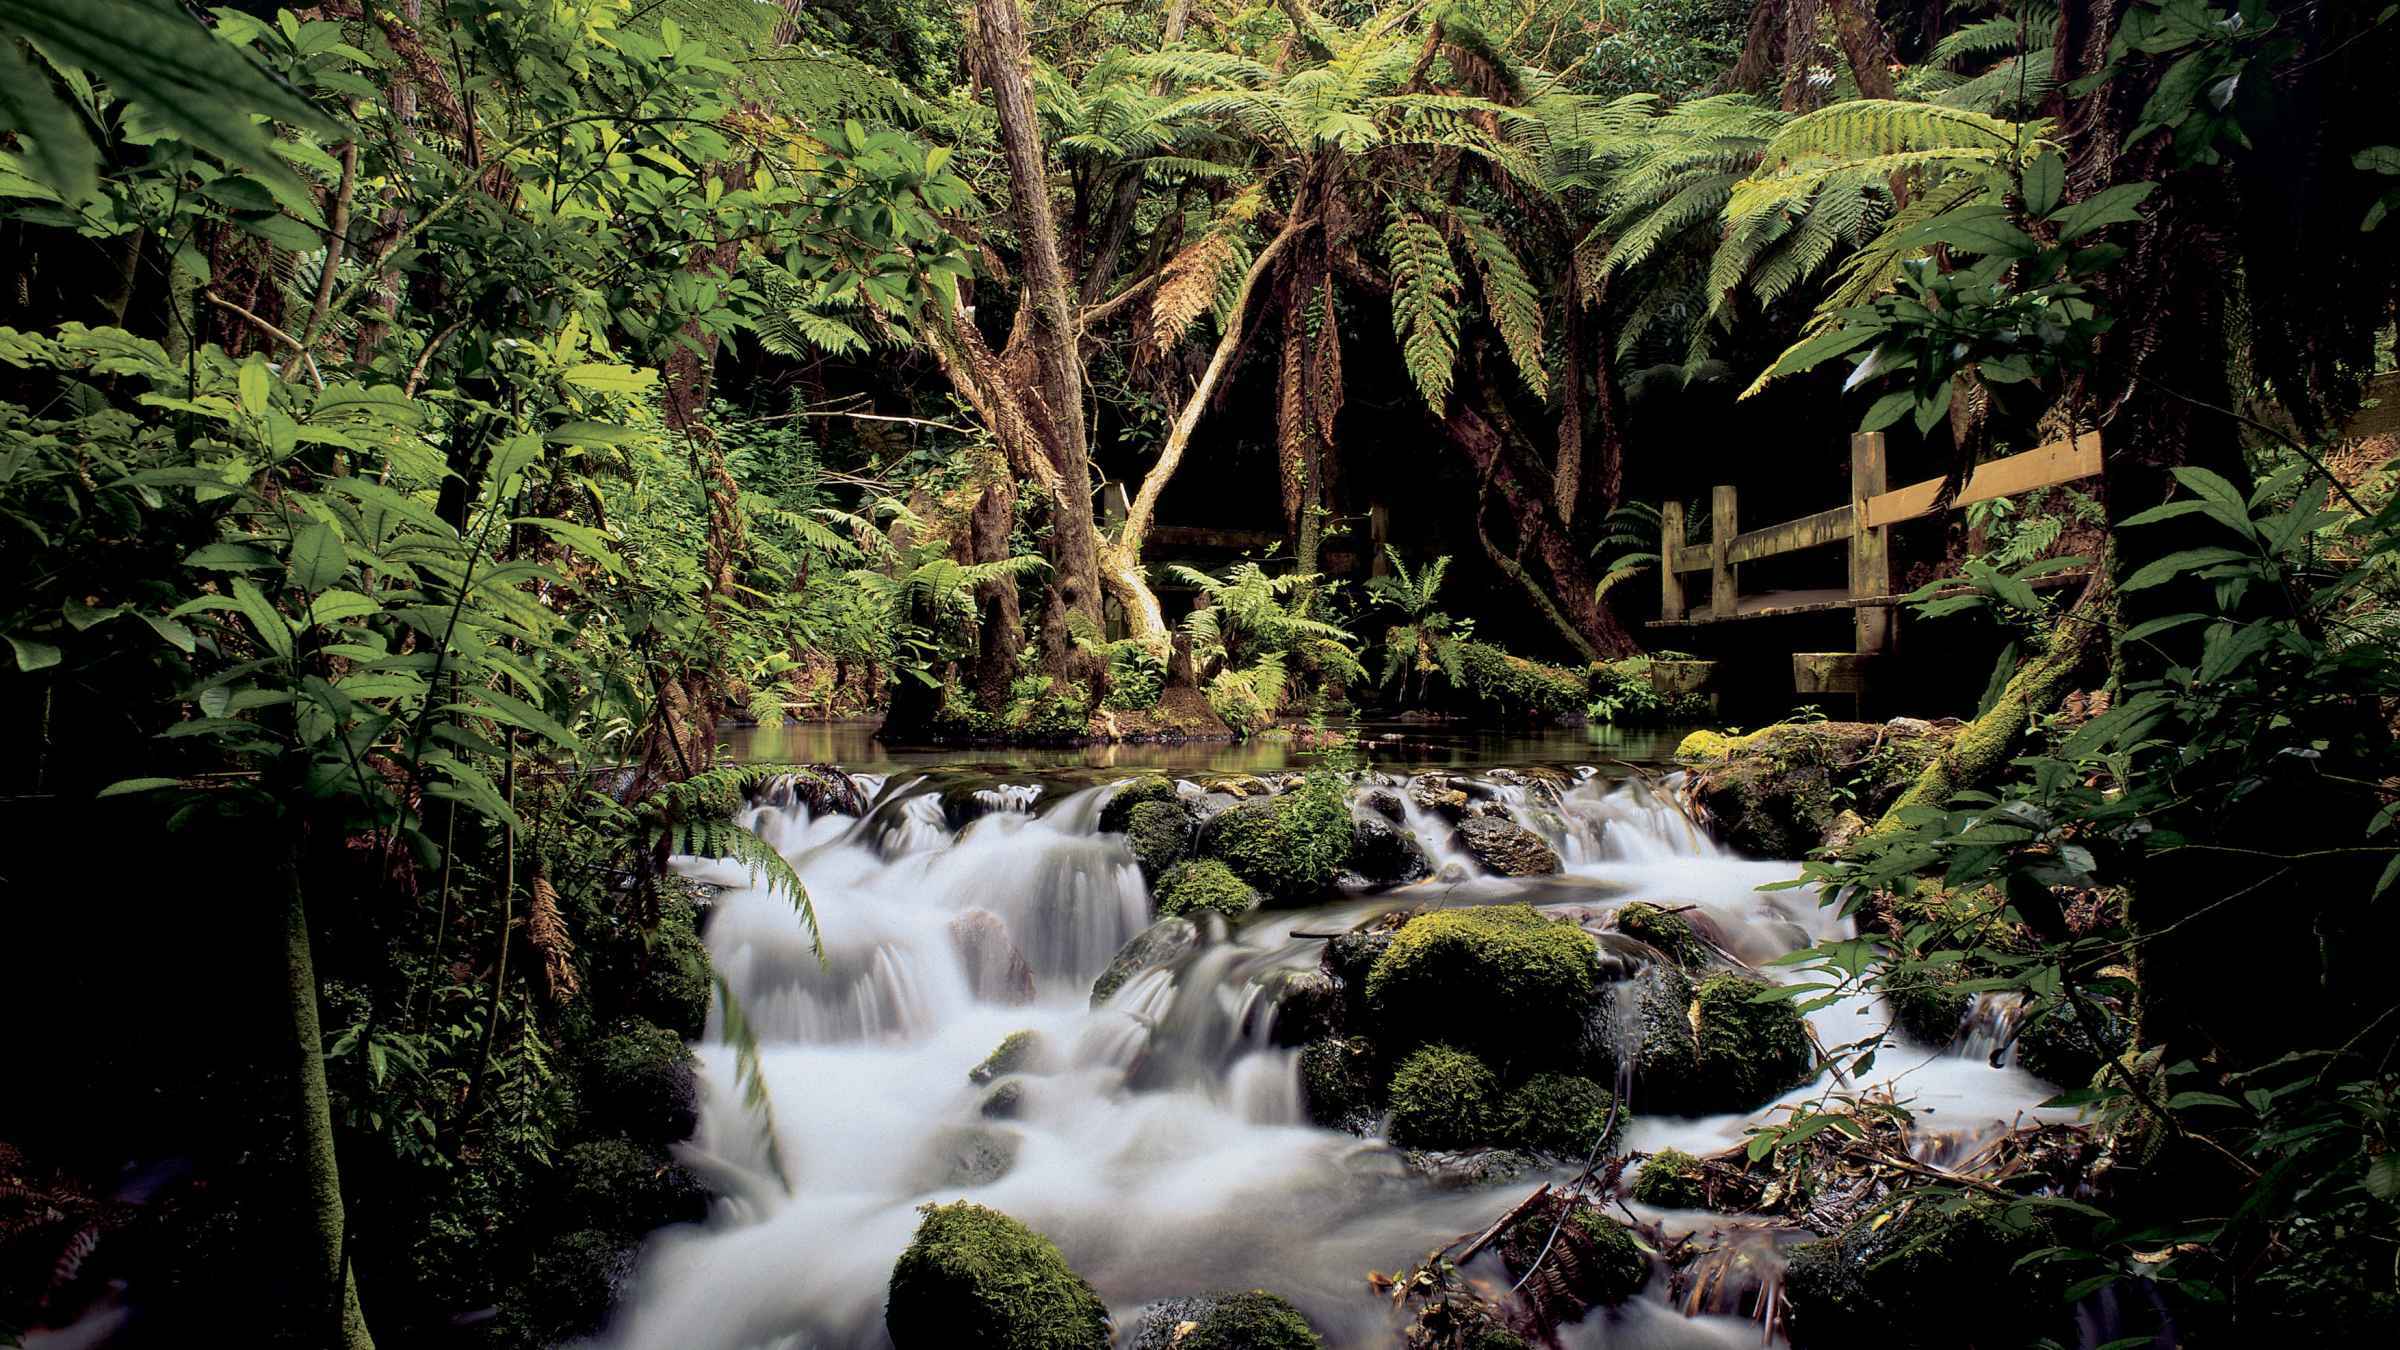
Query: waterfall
[1160, 1138]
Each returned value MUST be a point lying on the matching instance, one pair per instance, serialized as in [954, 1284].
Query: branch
[271, 331]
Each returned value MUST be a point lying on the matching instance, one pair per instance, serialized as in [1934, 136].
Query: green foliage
[1204, 884]
[1116, 814]
[974, 1277]
[1502, 980]
[1519, 687]
[1256, 1320]
[1563, 1114]
[1443, 1098]
[640, 1079]
[1252, 633]
[1670, 1180]
[1425, 641]
[1289, 846]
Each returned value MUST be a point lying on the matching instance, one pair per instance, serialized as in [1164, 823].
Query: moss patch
[1902, 1283]
[1139, 792]
[1776, 793]
[1016, 1053]
[1753, 1049]
[1204, 884]
[1496, 979]
[1667, 931]
[618, 1186]
[1522, 688]
[1558, 1113]
[639, 1079]
[1256, 1320]
[1670, 1180]
[1160, 835]
[1290, 846]
[1337, 1083]
[1443, 1098]
[976, 1277]
[1597, 1260]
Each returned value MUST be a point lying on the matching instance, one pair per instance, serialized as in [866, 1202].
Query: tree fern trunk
[319, 1169]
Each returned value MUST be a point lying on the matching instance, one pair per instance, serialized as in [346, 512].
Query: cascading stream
[1163, 1143]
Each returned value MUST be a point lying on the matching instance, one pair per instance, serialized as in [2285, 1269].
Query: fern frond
[1508, 297]
[1425, 286]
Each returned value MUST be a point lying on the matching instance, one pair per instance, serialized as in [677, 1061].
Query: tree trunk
[332, 1276]
[1569, 601]
[1074, 585]
[988, 527]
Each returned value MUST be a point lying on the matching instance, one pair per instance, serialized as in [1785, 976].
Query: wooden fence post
[1870, 547]
[1670, 543]
[1723, 594]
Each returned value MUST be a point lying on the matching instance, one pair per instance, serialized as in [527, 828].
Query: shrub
[1204, 884]
[618, 1186]
[974, 1277]
[1499, 979]
[1443, 1098]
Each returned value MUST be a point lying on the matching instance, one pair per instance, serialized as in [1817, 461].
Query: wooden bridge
[1863, 528]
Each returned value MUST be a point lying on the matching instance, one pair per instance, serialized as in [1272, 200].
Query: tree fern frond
[1425, 287]
[1509, 298]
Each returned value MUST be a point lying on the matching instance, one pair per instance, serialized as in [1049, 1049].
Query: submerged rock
[1256, 1320]
[1465, 1169]
[1506, 848]
[970, 1155]
[1162, 943]
[1497, 979]
[1204, 885]
[1004, 1102]
[997, 971]
[974, 1277]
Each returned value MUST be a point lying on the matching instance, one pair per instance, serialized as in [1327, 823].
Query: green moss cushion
[1255, 1320]
[1497, 979]
[976, 1279]
[1443, 1098]
[1204, 884]
[1558, 1113]
[1291, 846]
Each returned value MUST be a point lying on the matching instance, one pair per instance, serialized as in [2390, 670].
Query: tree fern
[1425, 286]
[1508, 296]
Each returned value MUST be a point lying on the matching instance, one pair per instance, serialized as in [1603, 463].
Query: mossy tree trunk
[320, 1172]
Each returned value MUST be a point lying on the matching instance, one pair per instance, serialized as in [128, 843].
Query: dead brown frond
[1188, 287]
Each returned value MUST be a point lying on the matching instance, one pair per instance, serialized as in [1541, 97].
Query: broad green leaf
[335, 606]
[251, 382]
[126, 785]
[272, 628]
[2112, 206]
[59, 157]
[32, 653]
[318, 559]
[2045, 180]
[608, 377]
[2176, 564]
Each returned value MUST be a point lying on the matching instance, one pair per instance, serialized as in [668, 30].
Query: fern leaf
[1425, 286]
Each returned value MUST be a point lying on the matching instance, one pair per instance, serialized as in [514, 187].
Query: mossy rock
[1255, 1320]
[1778, 793]
[1902, 1283]
[1559, 1113]
[1305, 1005]
[1521, 688]
[1162, 943]
[1160, 835]
[1117, 814]
[1497, 979]
[1443, 1098]
[1667, 931]
[1754, 1050]
[640, 1079]
[1507, 849]
[1598, 1262]
[1671, 1179]
[1017, 1052]
[2058, 1047]
[1006, 1101]
[978, 1279]
[1204, 885]
[1931, 1011]
[1338, 1086]
[1292, 846]
[621, 1187]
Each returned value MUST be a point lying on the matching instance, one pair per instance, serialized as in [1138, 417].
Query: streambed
[1166, 1147]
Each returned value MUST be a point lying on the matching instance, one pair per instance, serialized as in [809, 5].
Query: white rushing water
[1163, 1145]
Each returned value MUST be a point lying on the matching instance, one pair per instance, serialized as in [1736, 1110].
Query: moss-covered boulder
[1118, 812]
[1018, 1052]
[974, 1277]
[1668, 932]
[1558, 1113]
[1163, 943]
[1443, 1097]
[1671, 1179]
[619, 1186]
[1291, 846]
[640, 1079]
[1523, 689]
[1255, 1320]
[1709, 1046]
[1338, 1084]
[1594, 1259]
[575, 1279]
[1901, 1281]
[2065, 1047]
[1497, 979]
[1160, 835]
[1777, 793]
[1930, 1010]
[1204, 885]
[1383, 854]
[1505, 848]
[1301, 1005]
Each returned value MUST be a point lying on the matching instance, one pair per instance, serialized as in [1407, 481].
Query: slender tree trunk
[1074, 587]
[333, 1277]
[1566, 471]
[988, 527]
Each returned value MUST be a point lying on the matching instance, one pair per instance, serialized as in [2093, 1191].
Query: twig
[1501, 1225]
[337, 235]
[270, 330]
[416, 373]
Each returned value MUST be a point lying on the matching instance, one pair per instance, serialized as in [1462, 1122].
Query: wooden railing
[1864, 527]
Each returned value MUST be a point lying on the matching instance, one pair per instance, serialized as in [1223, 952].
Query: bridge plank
[1825, 527]
[2044, 466]
[1781, 604]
